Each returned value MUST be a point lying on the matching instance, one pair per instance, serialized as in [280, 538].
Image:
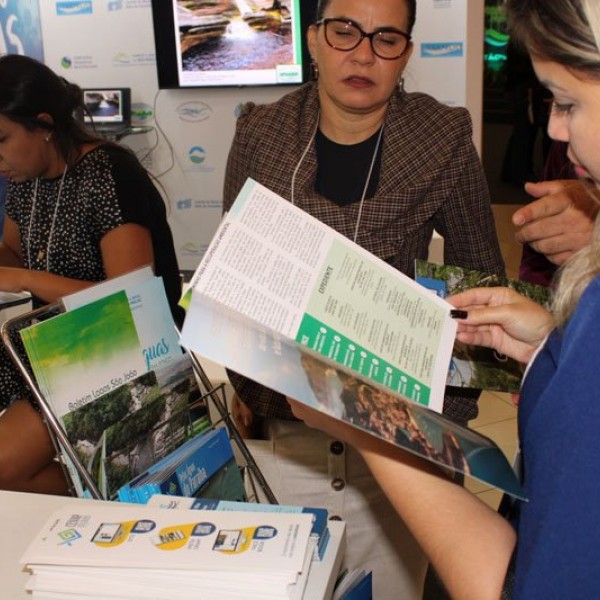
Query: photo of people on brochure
[398, 421]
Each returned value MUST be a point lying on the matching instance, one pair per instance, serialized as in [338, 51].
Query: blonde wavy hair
[566, 32]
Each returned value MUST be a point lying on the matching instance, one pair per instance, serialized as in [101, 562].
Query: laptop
[109, 110]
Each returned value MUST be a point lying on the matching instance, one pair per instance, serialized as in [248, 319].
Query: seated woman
[384, 168]
[78, 211]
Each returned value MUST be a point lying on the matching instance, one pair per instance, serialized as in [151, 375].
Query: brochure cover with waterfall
[127, 430]
[474, 366]
[261, 335]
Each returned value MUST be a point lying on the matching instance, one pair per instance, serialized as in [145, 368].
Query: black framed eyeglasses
[345, 35]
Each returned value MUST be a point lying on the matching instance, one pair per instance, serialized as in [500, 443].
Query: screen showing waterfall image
[238, 42]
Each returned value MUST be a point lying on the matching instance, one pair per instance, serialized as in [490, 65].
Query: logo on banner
[197, 155]
[188, 204]
[20, 28]
[197, 160]
[141, 113]
[194, 112]
[184, 204]
[115, 5]
[441, 49]
[122, 59]
[192, 249]
[78, 62]
[67, 8]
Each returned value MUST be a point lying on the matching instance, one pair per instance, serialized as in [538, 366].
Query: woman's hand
[502, 319]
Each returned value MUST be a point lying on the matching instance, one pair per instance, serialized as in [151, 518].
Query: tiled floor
[497, 413]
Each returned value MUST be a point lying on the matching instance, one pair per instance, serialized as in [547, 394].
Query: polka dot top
[62, 220]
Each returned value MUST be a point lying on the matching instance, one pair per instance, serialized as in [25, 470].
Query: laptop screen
[108, 107]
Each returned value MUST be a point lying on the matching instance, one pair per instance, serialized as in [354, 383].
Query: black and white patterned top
[105, 189]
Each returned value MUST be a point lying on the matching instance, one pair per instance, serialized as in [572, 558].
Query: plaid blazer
[430, 178]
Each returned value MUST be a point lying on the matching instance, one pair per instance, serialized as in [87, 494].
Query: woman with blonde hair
[548, 548]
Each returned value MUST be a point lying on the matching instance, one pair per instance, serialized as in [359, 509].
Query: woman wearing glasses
[384, 168]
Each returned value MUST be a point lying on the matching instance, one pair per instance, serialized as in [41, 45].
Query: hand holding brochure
[282, 299]
[475, 366]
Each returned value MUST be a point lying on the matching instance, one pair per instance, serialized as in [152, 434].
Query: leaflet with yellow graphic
[133, 536]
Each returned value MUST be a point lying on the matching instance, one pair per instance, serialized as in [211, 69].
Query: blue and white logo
[442, 49]
[197, 155]
[115, 5]
[67, 8]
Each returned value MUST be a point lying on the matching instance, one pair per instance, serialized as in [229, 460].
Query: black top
[342, 170]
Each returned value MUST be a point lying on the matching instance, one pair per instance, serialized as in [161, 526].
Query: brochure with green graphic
[81, 354]
[121, 408]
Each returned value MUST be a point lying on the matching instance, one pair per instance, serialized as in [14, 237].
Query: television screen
[107, 106]
[231, 42]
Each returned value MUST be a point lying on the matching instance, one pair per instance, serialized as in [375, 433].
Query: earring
[314, 70]
[401, 84]
[48, 137]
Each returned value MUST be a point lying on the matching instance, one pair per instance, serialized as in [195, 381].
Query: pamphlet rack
[214, 396]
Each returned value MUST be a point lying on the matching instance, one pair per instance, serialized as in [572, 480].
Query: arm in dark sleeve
[238, 167]
[466, 221]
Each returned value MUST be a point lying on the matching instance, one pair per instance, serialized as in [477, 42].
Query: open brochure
[315, 369]
[284, 269]
[474, 366]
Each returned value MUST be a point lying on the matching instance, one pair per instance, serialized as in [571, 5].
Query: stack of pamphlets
[112, 550]
[319, 530]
